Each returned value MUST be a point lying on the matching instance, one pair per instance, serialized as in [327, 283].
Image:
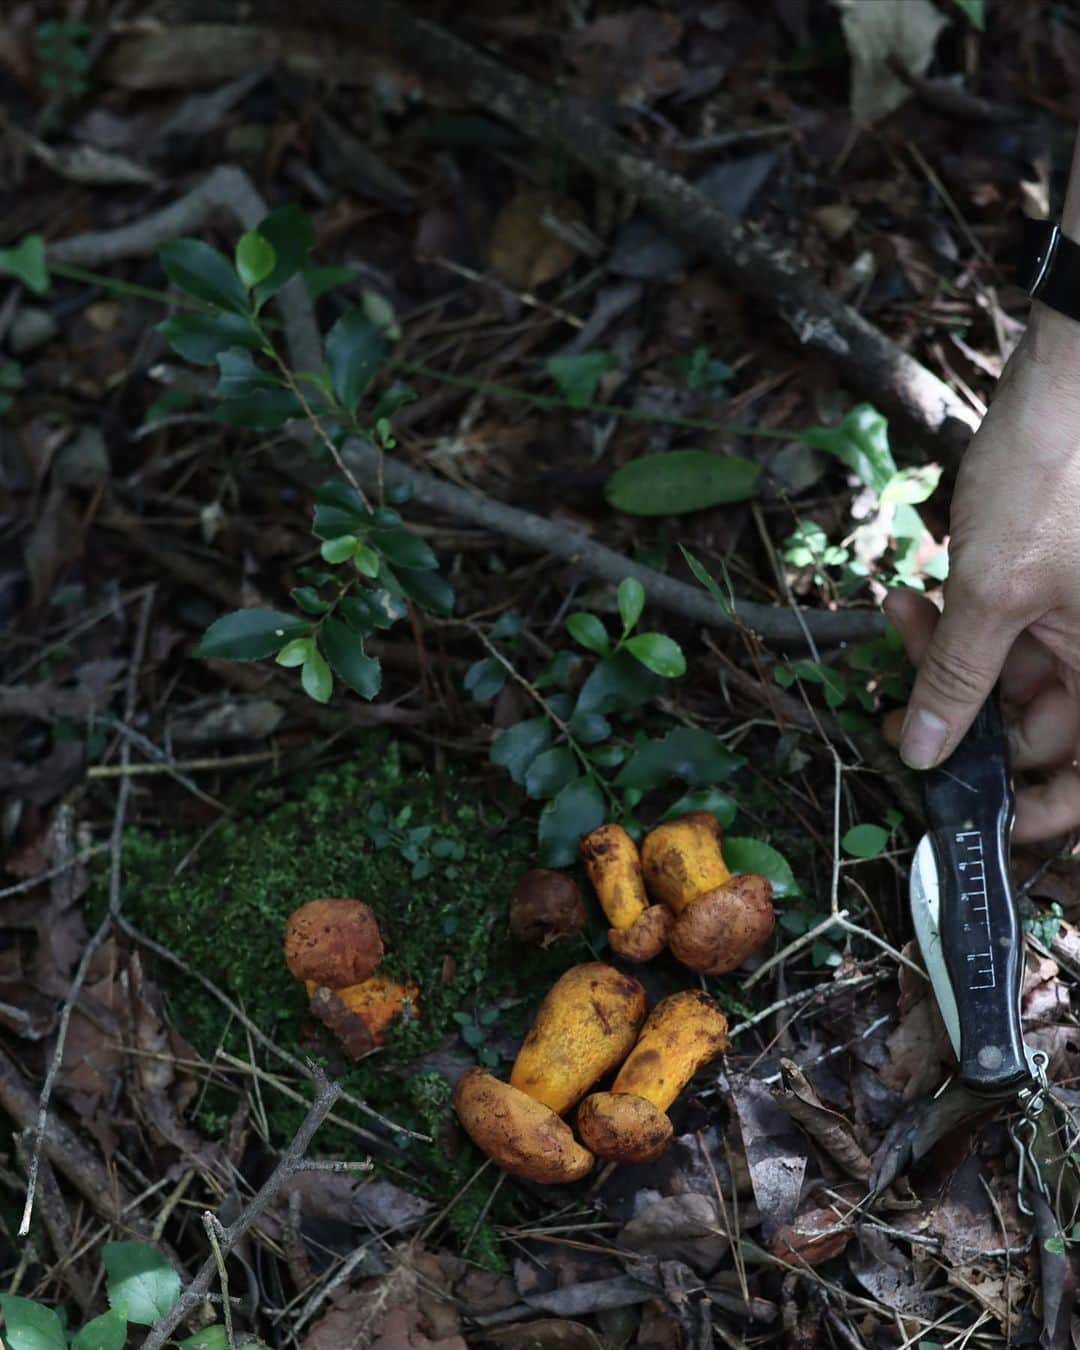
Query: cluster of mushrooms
[675, 893]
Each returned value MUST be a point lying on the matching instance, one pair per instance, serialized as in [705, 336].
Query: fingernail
[922, 739]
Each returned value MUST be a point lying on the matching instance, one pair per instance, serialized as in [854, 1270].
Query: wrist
[1053, 338]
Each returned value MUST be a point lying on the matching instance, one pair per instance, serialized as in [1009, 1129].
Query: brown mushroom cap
[620, 1127]
[546, 906]
[717, 932]
[522, 1135]
[646, 937]
[333, 942]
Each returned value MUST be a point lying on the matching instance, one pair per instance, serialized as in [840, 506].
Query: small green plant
[704, 372]
[420, 846]
[61, 56]
[475, 1028]
[141, 1286]
[372, 564]
[1044, 926]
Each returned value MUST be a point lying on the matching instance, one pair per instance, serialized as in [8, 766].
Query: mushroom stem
[639, 931]
[682, 859]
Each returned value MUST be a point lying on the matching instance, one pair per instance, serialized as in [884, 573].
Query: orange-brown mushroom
[638, 930]
[629, 1123]
[333, 942]
[521, 1134]
[720, 919]
[717, 932]
[546, 906]
[334, 946]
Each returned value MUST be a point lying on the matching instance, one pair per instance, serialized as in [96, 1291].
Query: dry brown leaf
[524, 251]
[816, 1236]
[623, 57]
[775, 1153]
[549, 1333]
[834, 1132]
[878, 32]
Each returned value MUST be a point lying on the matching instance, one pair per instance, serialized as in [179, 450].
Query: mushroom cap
[621, 1127]
[522, 1135]
[717, 932]
[681, 859]
[646, 937]
[585, 1028]
[683, 1032]
[333, 942]
[613, 863]
[546, 906]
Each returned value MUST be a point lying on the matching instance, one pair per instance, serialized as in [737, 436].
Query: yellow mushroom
[586, 1026]
[639, 931]
[682, 859]
[629, 1123]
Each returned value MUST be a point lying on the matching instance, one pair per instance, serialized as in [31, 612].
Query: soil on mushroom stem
[225, 914]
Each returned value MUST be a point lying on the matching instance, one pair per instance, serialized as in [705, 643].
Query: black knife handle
[969, 805]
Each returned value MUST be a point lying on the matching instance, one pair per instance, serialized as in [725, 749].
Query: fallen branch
[779, 626]
[291, 1162]
[759, 266]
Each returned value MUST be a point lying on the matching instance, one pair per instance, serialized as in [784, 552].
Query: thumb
[956, 675]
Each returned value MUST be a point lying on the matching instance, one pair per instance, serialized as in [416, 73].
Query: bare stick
[289, 1164]
[775, 625]
[116, 842]
[214, 1234]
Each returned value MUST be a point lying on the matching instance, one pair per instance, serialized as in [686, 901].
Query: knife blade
[963, 909]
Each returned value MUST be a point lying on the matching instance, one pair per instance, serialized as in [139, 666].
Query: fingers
[960, 665]
[1045, 731]
[1049, 809]
[915, 618]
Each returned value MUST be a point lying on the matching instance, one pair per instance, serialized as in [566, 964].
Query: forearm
[1070, 216]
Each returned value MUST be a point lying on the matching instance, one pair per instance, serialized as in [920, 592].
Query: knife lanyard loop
[1032, 1101]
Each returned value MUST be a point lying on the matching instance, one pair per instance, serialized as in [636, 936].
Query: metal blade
[926, 918]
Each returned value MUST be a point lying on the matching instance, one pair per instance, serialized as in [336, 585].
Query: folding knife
[963, 909]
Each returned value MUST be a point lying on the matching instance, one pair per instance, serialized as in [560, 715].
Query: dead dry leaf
[549, 1333]
[834, 1132]
[776, 1153]
[524, 251]
[686, 1228]
[879, 32]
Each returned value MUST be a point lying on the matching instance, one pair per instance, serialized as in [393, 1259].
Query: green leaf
[696, 757]
[30, 1326]
[295, 653]
[366, 610]
[589, 632]
[753, 855]
[139, 1280]
[515, 748]
[618, 683]
[430, 590]
[402, 548]
[249, 634]
[861, 441]
[1054, 1245]
[484, 679]
[387, 405]
[292, 236]
[25, 261]
[339, 509]
[265, 407]
[679, 481]
[865, 841]
[631, 602]
[722, 806]
[725, 603]
[975, 11]
[658, 653]
[550, 772]
[908, 487]
[339, 550]
[107, 1332]
[201, 271]
[315, 677]
[577, 809]
[578, 376]
[239, 375]
[255, 258]
[202, 338]
[589, 728]
[354, 348]
[319, 280]
[348, 660]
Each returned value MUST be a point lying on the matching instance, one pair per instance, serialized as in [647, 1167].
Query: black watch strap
[1049, 267]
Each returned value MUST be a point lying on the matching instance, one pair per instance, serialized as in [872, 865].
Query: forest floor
[601, 291]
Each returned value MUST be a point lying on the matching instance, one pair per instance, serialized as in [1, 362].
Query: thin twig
[116, 843]
[214, 1233]
[287, 1167]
